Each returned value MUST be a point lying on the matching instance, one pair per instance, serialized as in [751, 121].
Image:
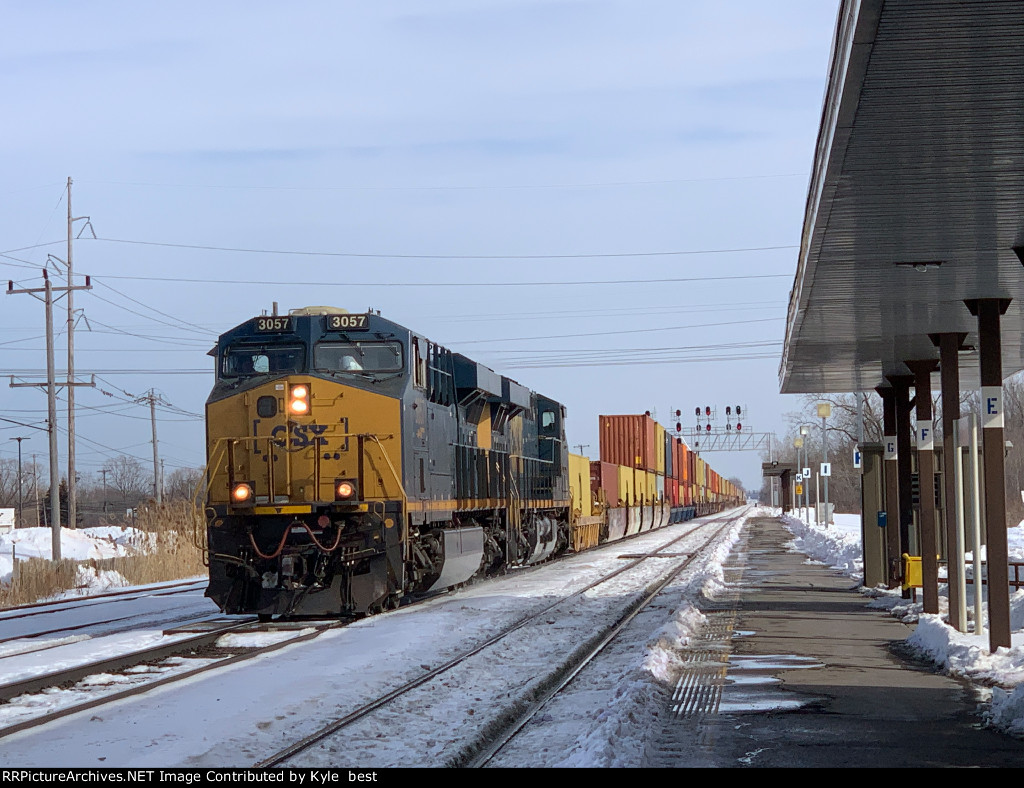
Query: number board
[348, 322]
[272, 325]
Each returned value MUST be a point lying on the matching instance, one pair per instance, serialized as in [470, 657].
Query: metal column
[904, 481]
[949, 345]
[922, 370]
[891, 485]
[988, 311]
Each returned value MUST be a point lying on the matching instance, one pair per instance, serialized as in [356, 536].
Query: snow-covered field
[81, 544]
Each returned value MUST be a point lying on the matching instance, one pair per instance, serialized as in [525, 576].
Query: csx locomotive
[352, 462]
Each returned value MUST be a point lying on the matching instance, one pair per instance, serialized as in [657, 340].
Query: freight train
[352, 463]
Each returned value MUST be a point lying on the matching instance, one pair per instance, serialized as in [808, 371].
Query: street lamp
[824, 411]
[20, 512]
[804, 432]
[798, 444]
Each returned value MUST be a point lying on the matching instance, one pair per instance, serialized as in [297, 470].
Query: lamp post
[20, 513]
[804, 432]
[798, 444]
[824, 411]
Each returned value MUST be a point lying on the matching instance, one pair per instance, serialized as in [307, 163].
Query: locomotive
[352, 462]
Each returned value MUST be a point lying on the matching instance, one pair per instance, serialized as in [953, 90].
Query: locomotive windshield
[357, 357]
[244, 360]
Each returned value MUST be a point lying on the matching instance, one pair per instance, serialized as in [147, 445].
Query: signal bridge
[729, 441]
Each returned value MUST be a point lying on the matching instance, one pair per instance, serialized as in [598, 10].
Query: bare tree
[182, 484]
[128, 479]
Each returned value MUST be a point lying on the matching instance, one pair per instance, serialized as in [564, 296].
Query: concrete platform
[797, 671]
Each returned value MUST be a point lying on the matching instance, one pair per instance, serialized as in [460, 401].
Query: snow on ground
[81, 544]
[999, 675]
[223, 722]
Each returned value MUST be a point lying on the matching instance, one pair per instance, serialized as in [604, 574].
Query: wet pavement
[795, 670]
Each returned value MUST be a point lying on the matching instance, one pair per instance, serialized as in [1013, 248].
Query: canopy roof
[917, 197]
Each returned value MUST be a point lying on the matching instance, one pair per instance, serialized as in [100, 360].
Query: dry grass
[174, 533]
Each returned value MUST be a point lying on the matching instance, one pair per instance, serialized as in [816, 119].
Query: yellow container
[627, 489]
[579, 484]
[659, 449]
[651, 488]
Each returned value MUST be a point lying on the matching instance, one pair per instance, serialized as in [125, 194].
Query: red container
[605, 476]
[629, 441]
[672, 491]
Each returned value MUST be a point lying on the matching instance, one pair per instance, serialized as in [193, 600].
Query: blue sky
[481, 142]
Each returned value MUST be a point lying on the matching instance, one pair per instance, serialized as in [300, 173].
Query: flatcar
[352, 463]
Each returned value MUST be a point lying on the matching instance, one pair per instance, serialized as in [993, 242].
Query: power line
[497, 187]
[377, 255]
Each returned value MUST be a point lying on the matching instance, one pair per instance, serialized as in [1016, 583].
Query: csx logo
[301, 435]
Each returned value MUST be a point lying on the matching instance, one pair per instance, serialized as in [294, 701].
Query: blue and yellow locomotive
[353, 462]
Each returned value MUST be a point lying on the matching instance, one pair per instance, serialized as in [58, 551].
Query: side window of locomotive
[358, 357]
[548, 421]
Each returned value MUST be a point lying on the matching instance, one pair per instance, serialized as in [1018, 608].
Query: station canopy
[917, 196]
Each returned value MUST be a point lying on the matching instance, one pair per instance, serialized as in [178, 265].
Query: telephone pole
[21, 512]
[51, 391]
[152, 397]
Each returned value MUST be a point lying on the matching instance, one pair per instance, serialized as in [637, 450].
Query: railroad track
[60, 605]
[190, 643]
[611, 601]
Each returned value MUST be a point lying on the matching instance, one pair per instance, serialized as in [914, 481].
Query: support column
[988, 311]
[926, 481]
[904, 482]
[949, 345]
[891, 491]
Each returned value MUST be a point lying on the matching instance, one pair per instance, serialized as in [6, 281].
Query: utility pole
[582, 446]
[35, 486]
[104, 471]
[151, 397]
[21, 512]
[51, 390]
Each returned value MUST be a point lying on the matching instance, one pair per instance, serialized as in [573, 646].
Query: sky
[601, 199]
[219, 721]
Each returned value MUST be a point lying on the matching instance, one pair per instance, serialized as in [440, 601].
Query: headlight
[242, 494]
[344, 490]
[298, 403]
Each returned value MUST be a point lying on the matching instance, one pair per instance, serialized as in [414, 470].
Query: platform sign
[856, 458]
[799, 478]
[799, 489]
[807, 473]
[991, 406]
[826, 469]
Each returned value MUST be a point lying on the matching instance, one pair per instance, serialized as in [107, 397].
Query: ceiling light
[920, 265]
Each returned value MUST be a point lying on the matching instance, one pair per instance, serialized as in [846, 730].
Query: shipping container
[604, 482]
[626, 486]
[650, 487]
[628, 440]
[673, 491]
[660, 482]
[659, 448]
[670, 456]
[579, 484]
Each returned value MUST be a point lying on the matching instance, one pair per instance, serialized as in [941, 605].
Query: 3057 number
[347, 322]
[273, 324]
